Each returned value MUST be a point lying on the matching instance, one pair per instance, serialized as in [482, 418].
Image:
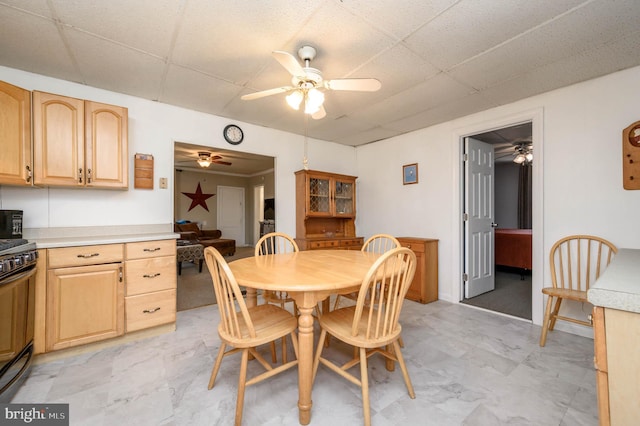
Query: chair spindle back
[578, 260]
[382, 293]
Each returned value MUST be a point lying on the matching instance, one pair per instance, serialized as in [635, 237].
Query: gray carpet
[195, 288]
[512, 296]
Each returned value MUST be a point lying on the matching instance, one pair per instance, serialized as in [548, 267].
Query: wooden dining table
[309, 277]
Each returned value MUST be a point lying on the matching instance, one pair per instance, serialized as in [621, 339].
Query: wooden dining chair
[372, 325]
[272, 243]
[379, 243]
[576, 263]
[243, 329]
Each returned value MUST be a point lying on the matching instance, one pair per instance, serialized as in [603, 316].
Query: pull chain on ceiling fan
[308, 85]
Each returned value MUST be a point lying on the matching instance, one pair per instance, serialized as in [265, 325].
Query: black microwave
[10, 224]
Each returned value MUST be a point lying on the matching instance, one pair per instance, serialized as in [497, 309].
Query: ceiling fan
[205, 159]
[308, 85]
[522, 152]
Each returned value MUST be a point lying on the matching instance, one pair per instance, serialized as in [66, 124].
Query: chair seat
[580, 296]
[339, 321]
[270, 322]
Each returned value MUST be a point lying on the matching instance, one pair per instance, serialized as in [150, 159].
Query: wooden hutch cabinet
[326, 211]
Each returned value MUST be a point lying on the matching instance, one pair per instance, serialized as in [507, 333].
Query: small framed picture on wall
[410, 174]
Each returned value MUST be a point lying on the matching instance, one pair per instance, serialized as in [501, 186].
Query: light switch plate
[163, 183]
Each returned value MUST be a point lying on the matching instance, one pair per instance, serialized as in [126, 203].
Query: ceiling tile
[188, 88]
[472, 27]
[133, 72]
[33, 44]
[399, 18]
[146, 25]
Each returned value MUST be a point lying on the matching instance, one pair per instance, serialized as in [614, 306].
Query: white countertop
[85, 236]
[619, 286]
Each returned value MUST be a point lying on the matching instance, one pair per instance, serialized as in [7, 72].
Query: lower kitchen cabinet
[98, 292]
[617, 349]
[84, 304]
[151, 284]
[424, 287]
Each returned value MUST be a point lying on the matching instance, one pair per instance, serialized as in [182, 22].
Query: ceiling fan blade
[289, 61]
[358, 84]
[263, 93]
[225, 163]
[321, 113]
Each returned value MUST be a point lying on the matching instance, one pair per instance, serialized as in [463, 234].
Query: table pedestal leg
[305, 362]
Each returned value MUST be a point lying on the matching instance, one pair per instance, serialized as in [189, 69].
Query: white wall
[153, 128]
[580, 174]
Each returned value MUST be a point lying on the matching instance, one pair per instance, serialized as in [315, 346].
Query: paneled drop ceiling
[437, 59]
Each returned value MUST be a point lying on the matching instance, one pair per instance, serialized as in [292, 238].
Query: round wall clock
[233, 134]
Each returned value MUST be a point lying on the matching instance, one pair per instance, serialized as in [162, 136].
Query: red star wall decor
[198, 198]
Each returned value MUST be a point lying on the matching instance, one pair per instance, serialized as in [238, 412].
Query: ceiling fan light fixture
[314, 101]
[294, 99]
[204, 163]
[529, 157]
[520, 158]
[204, 159]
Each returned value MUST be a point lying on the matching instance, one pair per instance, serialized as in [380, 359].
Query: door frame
[535, 116]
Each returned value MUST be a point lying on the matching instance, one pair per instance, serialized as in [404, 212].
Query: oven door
[17, 303]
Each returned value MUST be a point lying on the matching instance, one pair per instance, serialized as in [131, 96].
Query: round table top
[317, 270]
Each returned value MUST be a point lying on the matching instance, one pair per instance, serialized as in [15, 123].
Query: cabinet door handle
[151, 275]
[88, 256]
[151, 311]
[29, 175]
[80, 175]
[88, 175]
[152, 249]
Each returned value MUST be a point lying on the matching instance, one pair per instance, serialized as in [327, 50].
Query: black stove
[16, 255]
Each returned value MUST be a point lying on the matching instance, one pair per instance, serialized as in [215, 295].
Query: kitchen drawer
[85, 255]
[146, 249]
[149, 310]
[146, 275]
[417, 246]
[355, 243]
[323, 244]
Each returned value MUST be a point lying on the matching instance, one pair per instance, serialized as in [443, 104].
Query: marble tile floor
[468, 367]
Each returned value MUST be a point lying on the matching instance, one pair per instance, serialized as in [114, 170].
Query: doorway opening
[497, 206]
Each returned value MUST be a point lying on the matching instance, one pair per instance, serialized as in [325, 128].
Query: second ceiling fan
[308, 85]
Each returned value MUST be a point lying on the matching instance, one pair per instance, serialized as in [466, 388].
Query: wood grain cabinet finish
[85, 295]
[617, 350]
[79, 143]
[151, 281]
[326, 211]
[424, 287]
[15, 135]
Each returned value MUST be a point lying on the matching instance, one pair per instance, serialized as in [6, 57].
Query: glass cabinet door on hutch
[344, 200]
[319, 199]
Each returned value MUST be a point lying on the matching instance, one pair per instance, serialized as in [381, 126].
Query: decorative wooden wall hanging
[631, 156]
[143, 171]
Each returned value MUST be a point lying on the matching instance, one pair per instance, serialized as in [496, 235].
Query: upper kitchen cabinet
[15, 135]
[79, 143]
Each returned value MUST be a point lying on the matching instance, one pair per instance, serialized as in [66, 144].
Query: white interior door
[231, 217]
[479, 218]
